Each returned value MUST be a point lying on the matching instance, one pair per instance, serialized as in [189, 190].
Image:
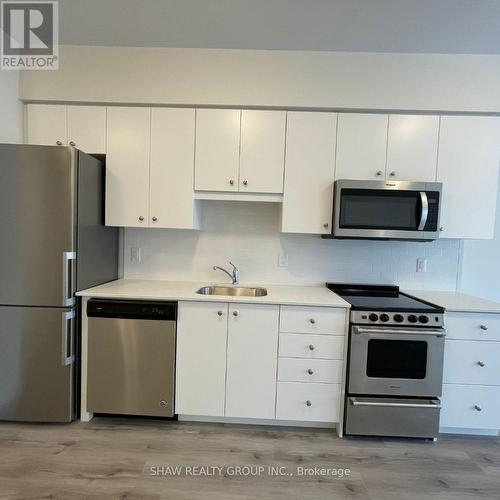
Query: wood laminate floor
[114, 458]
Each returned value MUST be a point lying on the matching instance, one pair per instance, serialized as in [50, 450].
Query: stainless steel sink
[238, 291]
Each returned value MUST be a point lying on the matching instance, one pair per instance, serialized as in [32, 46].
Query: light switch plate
[283, 260]
[135, 255]
[421, 265]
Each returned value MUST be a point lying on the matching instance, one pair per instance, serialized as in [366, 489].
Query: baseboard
[473, 432]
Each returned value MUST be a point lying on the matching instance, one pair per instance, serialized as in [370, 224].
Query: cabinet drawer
[471, 362]
[296, 345]
[470, 406]
[296, 319]
[293, 398]
[473, 326]
[310, 370]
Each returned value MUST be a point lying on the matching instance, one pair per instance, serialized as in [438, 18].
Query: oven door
[396, 361]
[386, 210]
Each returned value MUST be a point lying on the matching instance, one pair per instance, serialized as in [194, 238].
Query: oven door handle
[429, 333]
[360, 402]
[425, 210]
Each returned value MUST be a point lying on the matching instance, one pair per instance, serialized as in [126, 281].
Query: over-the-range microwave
[396, 210]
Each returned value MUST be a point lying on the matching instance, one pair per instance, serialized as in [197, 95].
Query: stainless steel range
[395, 363]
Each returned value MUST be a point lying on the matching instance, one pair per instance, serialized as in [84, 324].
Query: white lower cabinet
[252, 348]
[301, 345]
[309, 402]
[324, 371]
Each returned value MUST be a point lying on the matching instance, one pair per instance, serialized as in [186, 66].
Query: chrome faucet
[235, 275]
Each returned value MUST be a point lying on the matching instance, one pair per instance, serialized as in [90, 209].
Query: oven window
[397, 359]
[379, 209]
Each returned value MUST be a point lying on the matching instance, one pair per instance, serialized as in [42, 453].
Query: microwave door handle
[425, 210]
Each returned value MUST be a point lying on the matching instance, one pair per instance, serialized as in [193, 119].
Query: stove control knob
[398, 318]
[412, 318]
[423, 319]
[384, 317]
[373, 317]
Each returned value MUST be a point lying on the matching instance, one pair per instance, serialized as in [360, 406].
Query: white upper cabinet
[361, 146]
[87, 128]
[252, 354]
[309, 172]
[217, 149]
[46, 124]
[412, 148]
[468, 164]
[172, 169]
[127, 166]
[262, 151]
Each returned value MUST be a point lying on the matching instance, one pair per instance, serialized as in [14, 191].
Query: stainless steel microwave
[397, 210]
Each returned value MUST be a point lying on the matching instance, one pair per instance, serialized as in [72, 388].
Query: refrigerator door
[97, 244]
[36, 364]
[37, 225]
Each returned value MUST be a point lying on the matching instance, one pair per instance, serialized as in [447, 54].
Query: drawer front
[293, 345]
[310, 370]
[296, 319]
[471, 362]
[293, 398]
[473, 326]
[470, 406]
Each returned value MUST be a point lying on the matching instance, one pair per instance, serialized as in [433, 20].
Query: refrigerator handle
[68, 258]
[68, 339]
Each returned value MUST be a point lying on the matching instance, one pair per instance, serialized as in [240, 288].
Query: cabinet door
[127, 166]
[217, 149]
[412, 148]
[469, 148]
[309, 172]
[361, 146]
[172, 168]
[201, 358]
[87, 128]
[47, 124]
[262, 155]
[252, 354]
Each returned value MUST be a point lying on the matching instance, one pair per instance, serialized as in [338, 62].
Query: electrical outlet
[135, 255]
[283, 260]
[421, 265]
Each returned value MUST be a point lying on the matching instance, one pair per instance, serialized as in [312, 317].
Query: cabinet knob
[231, 181]
[245, 183]
[59, 143]
[155, 219]
[441, 228]
[235, 313]
[141, 218]
[310, 371]
[311, 347]
[72, 143]
[326, 226]
[477, 408]
[393, 174]
[379, 173]
[484, 327]
[219, 313]
[481, 364]
[308, 403]
[312, 321]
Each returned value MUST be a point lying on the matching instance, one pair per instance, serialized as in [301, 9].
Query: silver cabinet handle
[68, 258]
[231, 181]
[310, 372]
[235, 313]
[308, 403]
[477, 408]
[379, 173]
[155, 219]
[219, 313]
[361, 402]
[441, 228]
[425, 210]
[245, 183]
[72, 143]
[59, 143]
[311, 347]
[481, 364]
[393, 174]
[67, 341]
[312, 321]
[326, 226]
[141, 218]
[484, 327]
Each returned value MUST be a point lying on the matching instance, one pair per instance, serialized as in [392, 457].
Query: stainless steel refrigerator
[53, 243]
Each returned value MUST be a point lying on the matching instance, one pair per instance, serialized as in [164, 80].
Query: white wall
[270, 78]
[481, 264]
[10, 107]
[248, 233]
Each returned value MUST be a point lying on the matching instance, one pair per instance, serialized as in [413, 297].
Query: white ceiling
[425, 26]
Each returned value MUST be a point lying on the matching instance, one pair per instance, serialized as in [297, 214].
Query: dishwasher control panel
[130, 309]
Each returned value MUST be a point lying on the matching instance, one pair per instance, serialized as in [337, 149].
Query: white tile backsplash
[248, 233]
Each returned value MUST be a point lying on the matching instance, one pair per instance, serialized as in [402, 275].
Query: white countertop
[455, 301]
[186, 290]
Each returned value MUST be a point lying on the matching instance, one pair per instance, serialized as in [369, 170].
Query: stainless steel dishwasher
[131, 357]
